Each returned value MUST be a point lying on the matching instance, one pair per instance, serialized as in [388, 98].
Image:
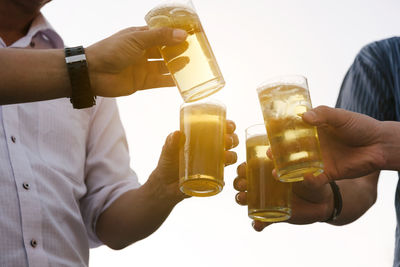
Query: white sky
[252, 40]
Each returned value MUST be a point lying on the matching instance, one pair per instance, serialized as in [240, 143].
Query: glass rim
[208, 101]
[255, 126]
[171, 3]
[280, 79]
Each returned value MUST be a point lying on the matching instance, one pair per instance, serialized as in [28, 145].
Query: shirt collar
[39, 26]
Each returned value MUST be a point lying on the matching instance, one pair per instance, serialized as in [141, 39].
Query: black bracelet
[337, 202]
[81, 93]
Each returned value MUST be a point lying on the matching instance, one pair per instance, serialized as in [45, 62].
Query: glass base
[295, 173]
[201, 187]
[273, 214]
[203, 90]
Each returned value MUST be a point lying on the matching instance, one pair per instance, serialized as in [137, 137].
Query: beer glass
[268, 199]
[201, 155]
[192, 64]
[294, 144]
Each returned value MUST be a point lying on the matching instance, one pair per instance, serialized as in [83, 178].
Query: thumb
[158, 37]
[312, 189]
[321, 115]
[259, 226]
[170, 151]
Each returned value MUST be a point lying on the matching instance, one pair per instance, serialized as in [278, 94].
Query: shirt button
[34, 243]
[13, 139]
[32, 44]
[26, 186]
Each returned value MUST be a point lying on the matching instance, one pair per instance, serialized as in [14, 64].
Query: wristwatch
[337, 202]
[81, 93]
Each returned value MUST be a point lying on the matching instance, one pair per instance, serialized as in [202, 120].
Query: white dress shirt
[60, 168]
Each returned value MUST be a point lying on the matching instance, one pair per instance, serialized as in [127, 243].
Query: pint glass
[294, 144]
[268, 199]
[201, 155]
[192, 64]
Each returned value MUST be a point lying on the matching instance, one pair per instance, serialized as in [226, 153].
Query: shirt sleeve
[107, 171]
[368, 86]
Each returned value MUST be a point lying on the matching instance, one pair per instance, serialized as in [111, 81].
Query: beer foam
[171, 6]
[260, 139]
[281, 88]
[205, 118]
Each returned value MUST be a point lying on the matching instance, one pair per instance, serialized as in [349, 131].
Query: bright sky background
[252, 40]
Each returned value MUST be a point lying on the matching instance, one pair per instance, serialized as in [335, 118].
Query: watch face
[75, 58]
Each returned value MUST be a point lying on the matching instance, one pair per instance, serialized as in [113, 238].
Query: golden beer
[201, 155]
[294, 144]
[192, 64]
[268, 200]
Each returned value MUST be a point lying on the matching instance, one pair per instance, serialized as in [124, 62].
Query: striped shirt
[372, 86]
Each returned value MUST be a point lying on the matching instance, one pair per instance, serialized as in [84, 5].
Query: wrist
[91, 62]
[81, 91]
[389, 146]
[159, 192]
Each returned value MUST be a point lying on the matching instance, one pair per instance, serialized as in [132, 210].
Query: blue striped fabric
[372, 86]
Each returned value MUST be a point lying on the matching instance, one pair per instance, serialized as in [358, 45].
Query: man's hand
[119, 65]
[139, 212]
[129, 61]
[350, 143]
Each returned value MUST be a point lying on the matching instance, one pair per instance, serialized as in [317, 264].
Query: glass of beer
[294, 144]
[201, 155]
[192, 64]
[268, 199]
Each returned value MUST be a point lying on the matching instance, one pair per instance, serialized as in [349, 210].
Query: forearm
[358, 195]
[134, 216]
[391, 145]
[28, 75]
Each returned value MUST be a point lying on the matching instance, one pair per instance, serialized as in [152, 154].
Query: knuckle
[164, 33]
[137, 42]
[231, 141]
[234, 157]
[237, 198]
[230, 125]
[237, 184]
[235, 181]
[241, 185]
[235, 140]
[322, 108]
[241, 168]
